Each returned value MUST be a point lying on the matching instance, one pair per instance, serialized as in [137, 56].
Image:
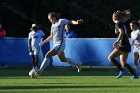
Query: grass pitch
[67, 80]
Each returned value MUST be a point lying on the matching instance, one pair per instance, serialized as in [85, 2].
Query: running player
[135, 36]
[122, 46]
[34, 39]
[57, 34]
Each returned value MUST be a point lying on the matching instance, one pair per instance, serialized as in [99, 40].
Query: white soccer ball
[33, 73]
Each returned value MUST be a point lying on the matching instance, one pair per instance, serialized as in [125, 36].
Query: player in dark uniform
[122, 46]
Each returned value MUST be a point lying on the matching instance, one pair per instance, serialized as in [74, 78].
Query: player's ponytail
[122, 15]
[126, 15]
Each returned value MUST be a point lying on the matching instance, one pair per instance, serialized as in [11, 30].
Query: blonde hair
[122, 15]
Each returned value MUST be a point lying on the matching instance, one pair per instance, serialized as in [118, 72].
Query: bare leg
[115, 53]
[36, 60]
[136, 62]
[123, 58]
[33, 60]
[135, 58]
[46, 60]
[64, 59]
[68, 60]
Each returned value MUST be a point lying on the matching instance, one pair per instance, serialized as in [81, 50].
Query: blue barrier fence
[15, 51]
[89, 51]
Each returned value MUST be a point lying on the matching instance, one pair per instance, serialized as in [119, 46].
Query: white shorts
[136, 50]
[35, 50]
[59, 48]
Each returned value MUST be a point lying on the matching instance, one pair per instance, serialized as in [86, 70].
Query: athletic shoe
[78, 67]
[135, 77]
[35, 74]
[121, 73]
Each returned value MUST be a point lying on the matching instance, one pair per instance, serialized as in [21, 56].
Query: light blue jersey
[36, 37]
[57, 31]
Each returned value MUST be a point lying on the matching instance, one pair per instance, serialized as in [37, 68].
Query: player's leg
[33, 63]
[136, 58]
[62, 57]
[33, 59]
[115, 53]
[123, 58]
[46, 60]
[139, 63]
[36, 53]
[36, 62]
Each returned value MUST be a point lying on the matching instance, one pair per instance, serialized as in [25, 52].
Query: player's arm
[73, 22]
[29, 44]
[132, 42]
[138, 41]
[138, 44]
[46, 40]
[119, 37]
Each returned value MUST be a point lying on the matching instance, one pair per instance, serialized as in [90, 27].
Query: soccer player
[135, 36]
[57, 34]
[122, 46]
[34, 39]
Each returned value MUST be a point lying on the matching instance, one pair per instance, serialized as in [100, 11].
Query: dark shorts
[125, 48]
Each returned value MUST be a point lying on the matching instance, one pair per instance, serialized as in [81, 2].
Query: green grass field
[67, 80]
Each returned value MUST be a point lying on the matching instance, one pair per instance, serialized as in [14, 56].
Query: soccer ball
[33, 73]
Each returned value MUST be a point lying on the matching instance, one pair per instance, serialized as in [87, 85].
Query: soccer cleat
[78, 67]
[121, 73]
[135, 77]
[34, 74]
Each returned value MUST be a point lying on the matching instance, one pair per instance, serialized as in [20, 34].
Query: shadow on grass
[63, 87]
[62, 71]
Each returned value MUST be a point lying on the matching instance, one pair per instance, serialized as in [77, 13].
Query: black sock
[130, 69]
[116, 63]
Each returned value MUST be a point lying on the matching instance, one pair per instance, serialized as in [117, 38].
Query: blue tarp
[89, 51]
[15, 51]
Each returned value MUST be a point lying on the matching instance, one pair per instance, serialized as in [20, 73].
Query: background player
[135, 37]
[34, 39]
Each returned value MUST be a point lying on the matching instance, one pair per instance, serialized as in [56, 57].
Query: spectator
[2, 32]
[68, 32]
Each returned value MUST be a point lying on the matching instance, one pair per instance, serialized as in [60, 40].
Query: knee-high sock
[70, 61]
[44, 64]
[130, 69]
[116, 63]
[137, 68]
